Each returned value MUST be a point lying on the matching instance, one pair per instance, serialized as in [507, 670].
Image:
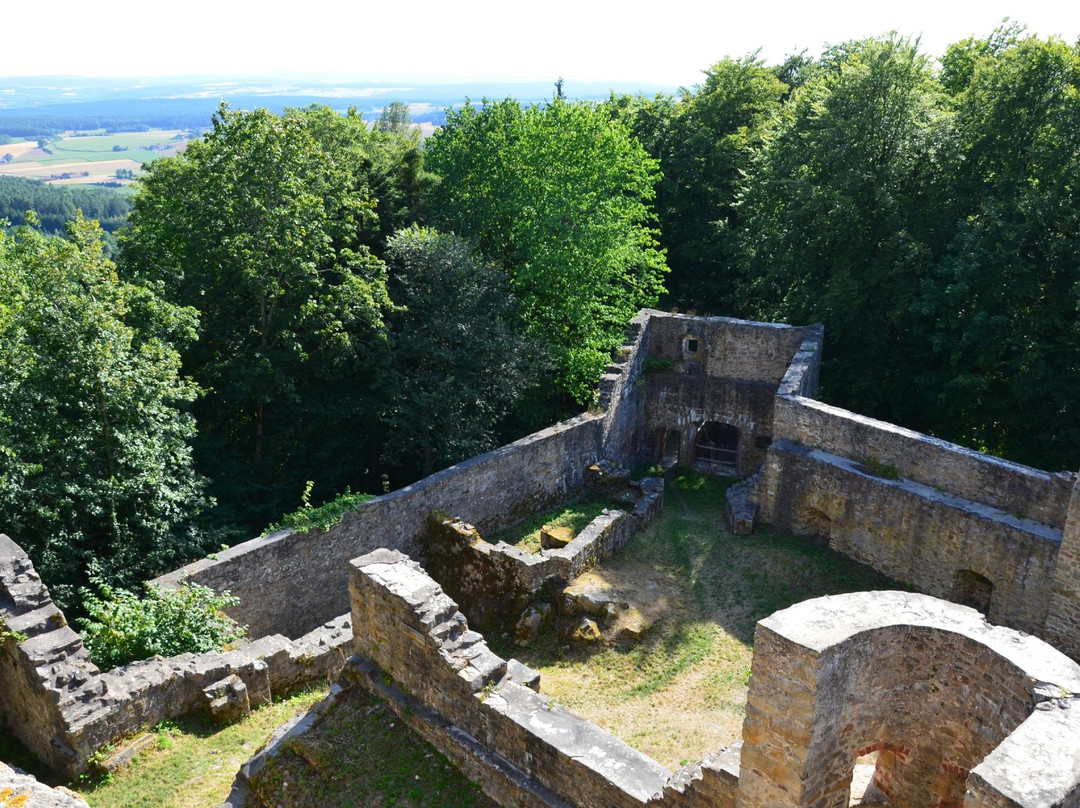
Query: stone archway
[927, 684]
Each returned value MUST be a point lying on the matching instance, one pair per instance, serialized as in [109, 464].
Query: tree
[94, 457]
[842, 217]
[704, 143]
[266, 227]
[559, 194]
[458, 364]
[1000, 311]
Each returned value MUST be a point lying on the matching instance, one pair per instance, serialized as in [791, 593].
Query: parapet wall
[1007, 486]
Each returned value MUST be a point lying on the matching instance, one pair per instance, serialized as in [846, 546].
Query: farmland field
[75, 158]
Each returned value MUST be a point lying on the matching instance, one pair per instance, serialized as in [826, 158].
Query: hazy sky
[660, 42]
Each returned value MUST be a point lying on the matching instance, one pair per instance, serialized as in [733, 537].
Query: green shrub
[122, 627]
[321, 517]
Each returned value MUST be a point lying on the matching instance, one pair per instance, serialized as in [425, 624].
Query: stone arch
[972, 589]
[717, 444]
[927, 684]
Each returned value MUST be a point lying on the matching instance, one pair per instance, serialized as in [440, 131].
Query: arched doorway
[717, 444]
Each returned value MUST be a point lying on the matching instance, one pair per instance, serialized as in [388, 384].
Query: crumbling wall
[912, 532]
[288, 583]
[1063, 616]
[929, 685]
[474, 706]
[724, 370]
[492, 583]
[62, 708]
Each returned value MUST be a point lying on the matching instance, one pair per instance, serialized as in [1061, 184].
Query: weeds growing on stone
[577, 515]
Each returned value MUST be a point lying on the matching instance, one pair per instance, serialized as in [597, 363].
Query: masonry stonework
[948, 521]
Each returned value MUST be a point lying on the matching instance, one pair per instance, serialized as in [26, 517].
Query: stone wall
[474, 706]
[1007, 486]
[912, 532]
[726, 348]
[62, 708]
[288, 583]
[1063, 616]
[932, 688]
[492, 583]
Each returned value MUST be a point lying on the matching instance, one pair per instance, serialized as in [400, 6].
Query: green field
[67, 157]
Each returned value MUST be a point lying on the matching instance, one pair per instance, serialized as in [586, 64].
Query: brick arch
[926, 683]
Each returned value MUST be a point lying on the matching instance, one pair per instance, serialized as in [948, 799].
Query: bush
[123, 627]
[320, 517]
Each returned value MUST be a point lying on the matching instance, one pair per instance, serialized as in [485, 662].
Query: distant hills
[39, 106]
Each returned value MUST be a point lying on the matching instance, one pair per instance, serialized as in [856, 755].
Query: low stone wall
[62, 708]
[492, 583]
[473, 705]
[288, 583]
[1007, 486]
[950, 703]
[912, 532]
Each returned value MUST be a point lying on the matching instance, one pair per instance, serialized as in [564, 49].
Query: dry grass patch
[680, 692]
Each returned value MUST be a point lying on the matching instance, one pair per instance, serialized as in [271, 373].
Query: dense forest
[305, 304]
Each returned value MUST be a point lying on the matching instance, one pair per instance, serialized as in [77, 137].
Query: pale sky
[452, 40]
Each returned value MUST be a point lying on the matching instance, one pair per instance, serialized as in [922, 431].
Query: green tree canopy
[266, 226]
[840, 216]
[458, 363]
[94, 456]
[560, 195]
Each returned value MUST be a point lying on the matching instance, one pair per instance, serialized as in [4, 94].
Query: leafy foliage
[559, 194]
[122, 627]
[310, 517]
[266, 227]
[94, 456]
[458, 364]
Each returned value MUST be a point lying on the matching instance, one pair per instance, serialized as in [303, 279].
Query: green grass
[679, 693]
[195, 762]
[577, 515]
[96, 148]
[361, 754]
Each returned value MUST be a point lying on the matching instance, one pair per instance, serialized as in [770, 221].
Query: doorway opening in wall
[669, 451]
[718, 445]
[972, 589]
[863, 790]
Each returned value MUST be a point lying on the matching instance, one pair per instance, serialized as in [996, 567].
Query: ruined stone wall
[288, 583]
[727, 348]
[1063, 616]
[929, 685]
[1007, 486]
[724, 370]
[622, 394]
[912, 532]
[492, 583]
[406, 624]
[62, 708]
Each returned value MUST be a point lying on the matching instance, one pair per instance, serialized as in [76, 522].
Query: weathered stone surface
[587, 631]
[125, 753]
[533, 620]
[928, 685]
[227, 700]
[19, 790]
[552, 537]
[607, 475]
[742, 507]
[593, 597]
